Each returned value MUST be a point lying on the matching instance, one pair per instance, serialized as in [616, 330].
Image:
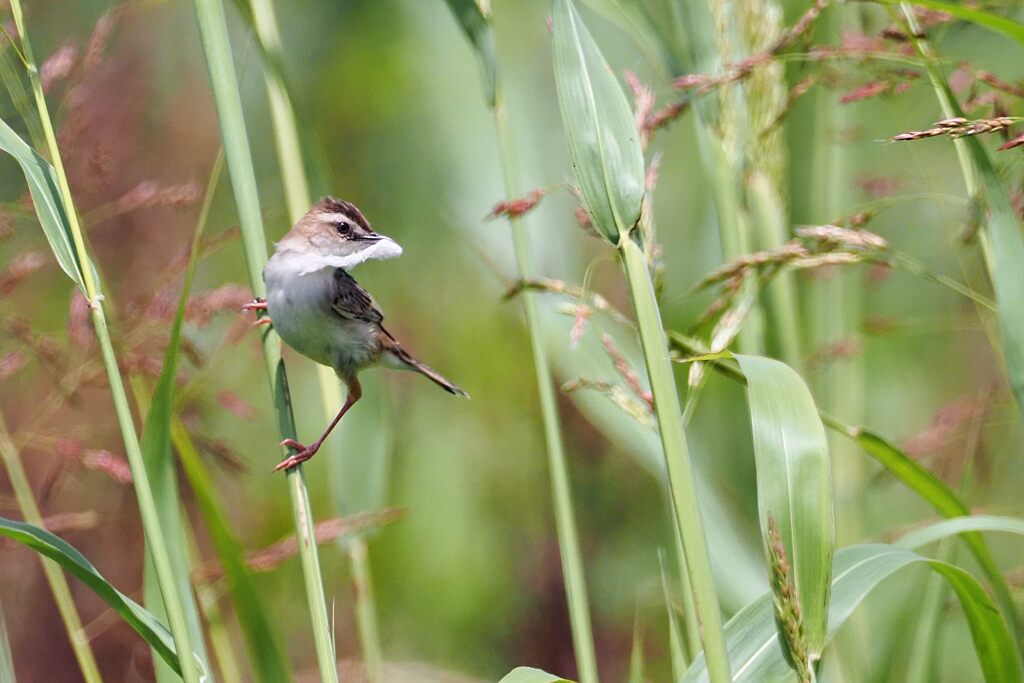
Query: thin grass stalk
[366, 609]
[151, 522]
[298, 198]
[6, 658]
[565, 520]
[216, 627]
[216, 44]
[682, 484]
[26, 500]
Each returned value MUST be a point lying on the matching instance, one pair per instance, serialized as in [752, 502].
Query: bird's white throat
[308, 261]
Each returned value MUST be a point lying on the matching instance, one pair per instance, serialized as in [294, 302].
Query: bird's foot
[302, 454]
[264, 320]
[257, 304]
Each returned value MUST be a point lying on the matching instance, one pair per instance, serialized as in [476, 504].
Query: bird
[319, 310]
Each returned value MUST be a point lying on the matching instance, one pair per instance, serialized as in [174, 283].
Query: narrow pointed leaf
[755, 654]
[603, 142]
[960, 525]
[64, 554]
[794, 483]
[994, 22]
[42, 184]
[477, 27]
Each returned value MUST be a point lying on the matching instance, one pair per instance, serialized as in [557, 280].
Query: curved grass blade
[754, 650]
[993, 22]
[961, 525]
[136, 616]
[42, 184]
[525, 674]
[603, 142]
[794, 485]
[476, 25]
[633, 17]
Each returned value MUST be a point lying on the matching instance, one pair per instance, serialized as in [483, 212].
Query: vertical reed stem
[565, 521]
[681, 480]
[151, 522]
[216, 44]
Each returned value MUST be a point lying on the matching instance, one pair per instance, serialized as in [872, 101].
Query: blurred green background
[394, 119]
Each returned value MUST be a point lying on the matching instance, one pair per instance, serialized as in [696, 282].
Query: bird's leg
[257, 304]
[304, 453]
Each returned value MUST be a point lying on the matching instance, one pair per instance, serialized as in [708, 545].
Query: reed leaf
[603, 142]
[959, 526]
[89, 281]
[42, 185]
[755, 654]
[993, 22]
[64, 554]
[794, 484]
[525, 674]
[216, 45]
[475, 23]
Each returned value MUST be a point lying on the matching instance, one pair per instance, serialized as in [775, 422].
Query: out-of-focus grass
[468, 579]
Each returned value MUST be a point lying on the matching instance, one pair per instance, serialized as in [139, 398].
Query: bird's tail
[403, 360]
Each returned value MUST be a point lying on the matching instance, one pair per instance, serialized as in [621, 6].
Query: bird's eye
[343, 228]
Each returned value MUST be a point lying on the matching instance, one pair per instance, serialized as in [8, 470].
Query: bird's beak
[370, 237]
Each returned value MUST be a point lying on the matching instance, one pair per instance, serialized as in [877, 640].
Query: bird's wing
[351, 301]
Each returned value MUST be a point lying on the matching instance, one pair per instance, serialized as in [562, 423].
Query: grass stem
[216, 45]
[565, 521]
[682, 484]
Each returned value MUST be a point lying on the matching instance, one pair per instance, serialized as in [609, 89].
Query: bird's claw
[257, 304]
[302, 454]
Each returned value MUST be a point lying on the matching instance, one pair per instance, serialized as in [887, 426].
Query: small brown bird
[319, 310]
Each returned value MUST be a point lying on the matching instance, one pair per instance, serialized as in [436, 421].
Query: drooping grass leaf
[476, 24]
[136, 616]
[525, 674]
[994, 22]
[794, 484]
[937, 494]
[961, 525]
[754, 651]
[42, 184]
[603, 142]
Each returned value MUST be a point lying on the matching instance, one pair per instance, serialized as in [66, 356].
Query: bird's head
[338, 232]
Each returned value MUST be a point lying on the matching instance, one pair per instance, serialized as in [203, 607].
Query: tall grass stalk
[151, 522]
[54, 576]
[298, 198]
[682, 485]
[216, 44]
[565, 520]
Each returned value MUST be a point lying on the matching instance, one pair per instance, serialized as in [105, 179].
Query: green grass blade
[960, 525]
[636, 653]
[677, 653]
[136, 616]
[755, 653]
[216, 45]
[941, 497]
[42, 185]
[599, 127]
[794, 484]
[633, 17]
[993, 22]
[525, 674]
[151, 522]
[477, 27]
[29, 508]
